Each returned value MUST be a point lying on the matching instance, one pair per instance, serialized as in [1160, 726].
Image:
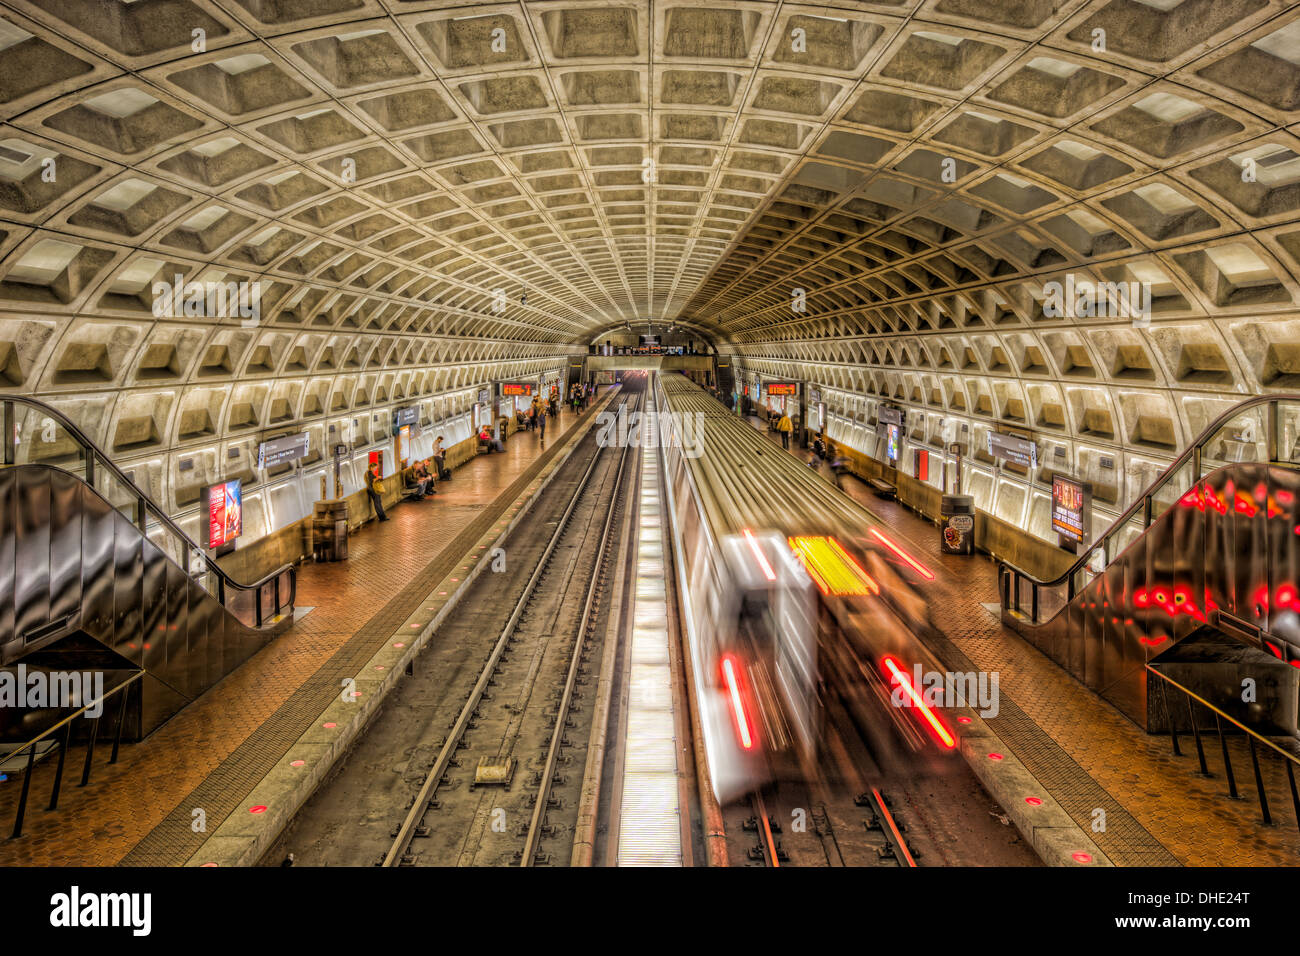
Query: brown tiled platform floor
[112, 820]
[1087, 754]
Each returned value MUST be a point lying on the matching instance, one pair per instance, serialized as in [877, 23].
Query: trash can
[330, 530]
[957, 524]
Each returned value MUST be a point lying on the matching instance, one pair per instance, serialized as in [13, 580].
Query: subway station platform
[167, 795]
[1156, 807]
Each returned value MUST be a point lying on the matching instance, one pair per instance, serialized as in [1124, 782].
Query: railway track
[496, 788]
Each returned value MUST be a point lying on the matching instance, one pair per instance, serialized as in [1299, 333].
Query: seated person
[411, 486]
[487, 443]
[424, 479]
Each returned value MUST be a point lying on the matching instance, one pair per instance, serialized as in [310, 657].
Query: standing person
[375, 488]
[785, 427]
[541, 424]
[440, 457]
[838, 466]
[555, 404]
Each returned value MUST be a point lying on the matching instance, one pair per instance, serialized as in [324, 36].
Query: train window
[758, 622]
[690, 534]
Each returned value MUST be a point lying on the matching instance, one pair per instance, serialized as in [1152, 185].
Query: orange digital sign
[516, 388]
[782, 388]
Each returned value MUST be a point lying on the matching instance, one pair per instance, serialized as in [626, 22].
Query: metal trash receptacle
[957, 524]
[330, 530]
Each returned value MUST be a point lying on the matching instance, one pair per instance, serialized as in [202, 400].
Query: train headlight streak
[762, 558]
[906, 558]
[831, 566]
[737, 703]
[897, 675]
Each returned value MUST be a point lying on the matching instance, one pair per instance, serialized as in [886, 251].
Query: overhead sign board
[406, 416]
[281, 451]
[888, 415]
[516, 388]
[1020, 451]
[783, 388]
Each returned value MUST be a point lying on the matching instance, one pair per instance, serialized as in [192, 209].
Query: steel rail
[420, 807]
[770, 853]
[899, 843]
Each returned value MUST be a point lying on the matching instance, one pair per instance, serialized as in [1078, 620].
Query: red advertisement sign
[225, 513]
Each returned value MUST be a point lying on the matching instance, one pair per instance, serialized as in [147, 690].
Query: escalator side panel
[97, 563]
[32, 543]
[128, 593]
[153, 603]
[187, 678]
[122, 591]
[8, 544]
[65, 533]
[1230, 544]
[1284, 555]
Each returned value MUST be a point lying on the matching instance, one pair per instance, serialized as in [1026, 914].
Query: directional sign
[1021, 451]
[281, 451]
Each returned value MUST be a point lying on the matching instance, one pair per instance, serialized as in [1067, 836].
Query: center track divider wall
[742, 481]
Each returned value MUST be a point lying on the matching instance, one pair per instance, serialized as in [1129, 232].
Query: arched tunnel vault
[431, 195]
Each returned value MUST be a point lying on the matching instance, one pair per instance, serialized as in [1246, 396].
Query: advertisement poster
[891, 444]
[404, 443]
[225, 513]
[1070, 506]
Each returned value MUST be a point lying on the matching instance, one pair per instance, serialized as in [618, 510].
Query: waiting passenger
[785, 427]
[440, 458]
[424, 479]
[375, 488]
[486, 442]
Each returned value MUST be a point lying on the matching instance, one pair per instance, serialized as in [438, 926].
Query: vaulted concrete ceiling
[919, 169]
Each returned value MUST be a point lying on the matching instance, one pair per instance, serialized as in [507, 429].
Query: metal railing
[1022, 592]
[1255, 739]
[65, 742]
[254, 604]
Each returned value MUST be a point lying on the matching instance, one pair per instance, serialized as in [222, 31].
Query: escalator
[724, 380]
[1199, 580]
[95, 578]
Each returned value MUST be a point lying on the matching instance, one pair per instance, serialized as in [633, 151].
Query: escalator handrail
[1160, 480]
[163, 518]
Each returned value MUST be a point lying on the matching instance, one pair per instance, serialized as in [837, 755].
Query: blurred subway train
[802, 612]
